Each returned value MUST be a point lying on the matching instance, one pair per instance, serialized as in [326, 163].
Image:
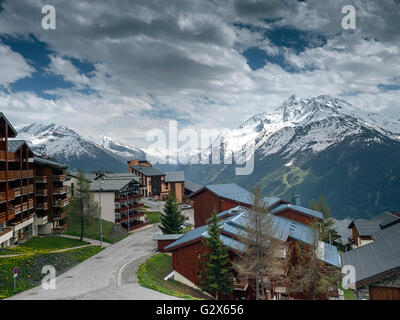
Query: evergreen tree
[326, 231]
[216, 276]
[83, 208]
[172, 220]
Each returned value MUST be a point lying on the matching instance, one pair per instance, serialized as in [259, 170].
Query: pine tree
[261, 260]
[326, 231]
[216, 276]
[172, 220]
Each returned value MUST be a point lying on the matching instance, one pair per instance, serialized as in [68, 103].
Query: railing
[7, 175]
[132, 207]
[4, 231]
[60, 190]
[41, 192]
[11, 195]
[61, 177]
[11, 156]
[131, 197]
[22, 174]
[61, 203]
[11, 214]
[41, 205]
[131, 217]
[41, 179]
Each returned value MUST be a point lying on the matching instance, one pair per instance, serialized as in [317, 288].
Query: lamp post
[101, 223]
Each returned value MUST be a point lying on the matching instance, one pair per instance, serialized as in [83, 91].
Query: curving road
[109, 275]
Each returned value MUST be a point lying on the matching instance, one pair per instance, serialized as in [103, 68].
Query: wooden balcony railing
[41, 193]
[130, 197]
[11, 195]
[40, 179]
[11, 156]
[131, 207]
[7, 175]
[4, 231]
[60, 177]
[61, 203]
[11, 214]
[22, 174]
[60, 190]
[131, 217]
[42, 205]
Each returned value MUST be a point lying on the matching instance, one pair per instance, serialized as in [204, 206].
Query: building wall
[107, 204]
[296, 216]
[205, 202]
[381, 293]
[185, 260]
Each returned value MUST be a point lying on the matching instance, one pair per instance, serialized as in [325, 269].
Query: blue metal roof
[303, 210]
[231, 191]
[282, 229]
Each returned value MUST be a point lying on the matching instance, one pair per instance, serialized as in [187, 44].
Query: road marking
[119, 278]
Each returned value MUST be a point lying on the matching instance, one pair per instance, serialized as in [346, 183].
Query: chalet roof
[386, 219]
[49, 163]
[89, 177]
[303, 210]
[366, 228]
[109, 185]
[2, 116]
[148, 171]
[236, 193]
[167, 236]
[192, 186]
[282, 228]
[375, 258]
[14, 145]
[174, 176]
[118, 176]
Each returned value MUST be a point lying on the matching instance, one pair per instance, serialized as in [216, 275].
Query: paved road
[108, 275]
[159, 206]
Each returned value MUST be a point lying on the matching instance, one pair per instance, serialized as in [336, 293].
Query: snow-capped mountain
[322, 145]
[123, 150]
[67, 146]
[305, 126]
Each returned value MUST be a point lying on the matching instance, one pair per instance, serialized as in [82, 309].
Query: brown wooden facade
[16, 185]
[205, 202]
[52, 196]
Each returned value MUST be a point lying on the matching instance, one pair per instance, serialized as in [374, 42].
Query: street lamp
[100, 185]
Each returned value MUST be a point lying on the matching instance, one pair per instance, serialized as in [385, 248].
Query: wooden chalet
[151, 178]
[377, 265]
[221, 197]
[362, 229]
[187, 251]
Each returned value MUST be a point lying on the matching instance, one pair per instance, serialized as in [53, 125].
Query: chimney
[296, 200]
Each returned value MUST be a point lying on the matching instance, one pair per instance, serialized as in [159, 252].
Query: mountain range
[318, 146]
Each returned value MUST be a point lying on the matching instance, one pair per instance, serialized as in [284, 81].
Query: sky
[124, 67]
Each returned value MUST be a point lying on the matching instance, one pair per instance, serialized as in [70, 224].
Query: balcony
[130, 197]
[24, 190]
[9, 216]
[7, 175]
[41, 179]
[131, 207]
[240, 284]
[23, 207]
[41, 193]
[60, 190]
[23, 174]
[41, 206]
[131, 217]
[10, 156]
[3, 195]
[61, 203]
[61, 177]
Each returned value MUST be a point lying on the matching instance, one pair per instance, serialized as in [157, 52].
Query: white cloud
[13, 66]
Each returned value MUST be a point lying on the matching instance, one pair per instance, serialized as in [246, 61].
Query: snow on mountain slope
[299, 125]
[123, 150]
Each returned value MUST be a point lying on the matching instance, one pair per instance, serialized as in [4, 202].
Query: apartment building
[52, 195]
[17, 208]
[119, 196]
